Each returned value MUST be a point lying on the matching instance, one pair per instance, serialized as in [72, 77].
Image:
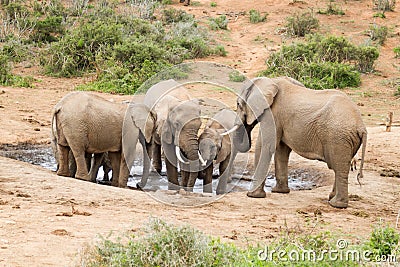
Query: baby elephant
[217, 148]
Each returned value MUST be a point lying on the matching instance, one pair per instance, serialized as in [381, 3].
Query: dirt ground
[46, 220]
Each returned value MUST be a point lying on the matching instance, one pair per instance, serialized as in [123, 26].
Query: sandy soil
[39, 226]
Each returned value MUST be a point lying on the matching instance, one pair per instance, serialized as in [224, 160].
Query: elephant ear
[166, 132]
[225, 146]
[259, 97]
[144, 119]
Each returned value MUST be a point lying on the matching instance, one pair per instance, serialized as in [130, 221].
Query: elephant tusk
[230, 131]
[203, 162]
[178, 155]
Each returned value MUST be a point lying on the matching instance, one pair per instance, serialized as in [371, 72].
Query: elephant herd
[323, 125]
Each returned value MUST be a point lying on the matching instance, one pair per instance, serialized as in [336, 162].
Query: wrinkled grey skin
[88, 124]
[323, 125]
[218, 149]
[178, 123]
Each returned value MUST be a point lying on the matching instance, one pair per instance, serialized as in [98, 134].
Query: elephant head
[255, 98]
[180, 129]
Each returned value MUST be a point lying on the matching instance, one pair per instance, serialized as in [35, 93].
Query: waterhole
[42, 155]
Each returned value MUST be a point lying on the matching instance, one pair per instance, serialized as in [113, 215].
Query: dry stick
[398, 217]
[389, 121]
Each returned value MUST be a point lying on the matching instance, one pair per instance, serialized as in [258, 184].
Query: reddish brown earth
[34, 202]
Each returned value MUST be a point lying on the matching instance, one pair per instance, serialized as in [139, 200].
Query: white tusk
[178, 155]
[231, 130]
[203, 162]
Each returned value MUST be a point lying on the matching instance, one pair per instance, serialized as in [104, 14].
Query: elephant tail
[360, 174]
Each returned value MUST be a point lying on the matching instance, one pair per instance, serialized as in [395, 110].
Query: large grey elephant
[178, 123]
[86, 123]
[323, 125]
[218, 149]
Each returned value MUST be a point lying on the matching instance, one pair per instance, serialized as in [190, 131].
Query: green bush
[8, 79]
[173, 15]
[384, 241]
[213, 4]
[378, 33]
[236, 76]
[396, 51]
[384, 5]
[332, 9]
[322, 62]
[301, 24]
[48, 29]
[15, 50]
[255, 16]
[219, 23]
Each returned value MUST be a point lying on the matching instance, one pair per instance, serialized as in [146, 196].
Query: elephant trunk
[242, 138]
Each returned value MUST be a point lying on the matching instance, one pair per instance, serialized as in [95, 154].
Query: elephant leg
[224, 175]
[268, 135]
[82, 171]
[341, 197]
[123, 173]
[63, 169]
[207, 179]
[95, 165]
[106, 167]
[333, 192]
[172, 174]
[156, 155]
[257, 151]
[281, 168]
[192, 176]
[115, 158]
[185, 179]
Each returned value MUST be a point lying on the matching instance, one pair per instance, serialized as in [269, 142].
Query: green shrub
[8, 79]
[173, 15]
[15, 50]
[301, 24]
[384, 241]
[322, 62]
[379, 15]
[213, 4]
[378, 33]
[255, 16]
[48, 29]
[219, 23]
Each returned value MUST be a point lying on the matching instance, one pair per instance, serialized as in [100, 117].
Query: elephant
[88, 124]
[177, 126]
[217, 148]
[323, 125]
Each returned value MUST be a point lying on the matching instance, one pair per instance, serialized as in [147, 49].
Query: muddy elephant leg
[95, 165]
[115, 159]
[281, 168]
[156, 155]
[207, 178]
[341, 197]
[172, 174]
[63, 168]
[123, 173]
[185, 179]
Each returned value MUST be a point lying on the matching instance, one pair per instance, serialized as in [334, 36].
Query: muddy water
[42, 155]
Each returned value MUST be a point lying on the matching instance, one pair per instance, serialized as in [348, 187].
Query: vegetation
[332, 9]
[120, 49]
[396, 51]
[219, 23]
[323, 62]
[384, 5]
[236, 76]
[161, 244]
[256, 17]
[301, 24]
[213, 4]
[378, 33]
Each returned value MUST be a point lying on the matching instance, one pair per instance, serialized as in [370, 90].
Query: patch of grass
[213, 4]
[396, 51]
[236, 76]
[384, 241]
[379, 15]
[219, 23]
[301, 24]
[256, 17]
[384, 5]
[322, 62]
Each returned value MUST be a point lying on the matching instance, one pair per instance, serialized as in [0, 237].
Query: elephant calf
[85, 123]
[217, 148]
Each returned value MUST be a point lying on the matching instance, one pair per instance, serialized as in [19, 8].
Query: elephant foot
[84, 177]
[65, 173]
[280, 189]
[258, 193]
[220, 191]
[173, 186]
[104, 182]
[334, 202]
